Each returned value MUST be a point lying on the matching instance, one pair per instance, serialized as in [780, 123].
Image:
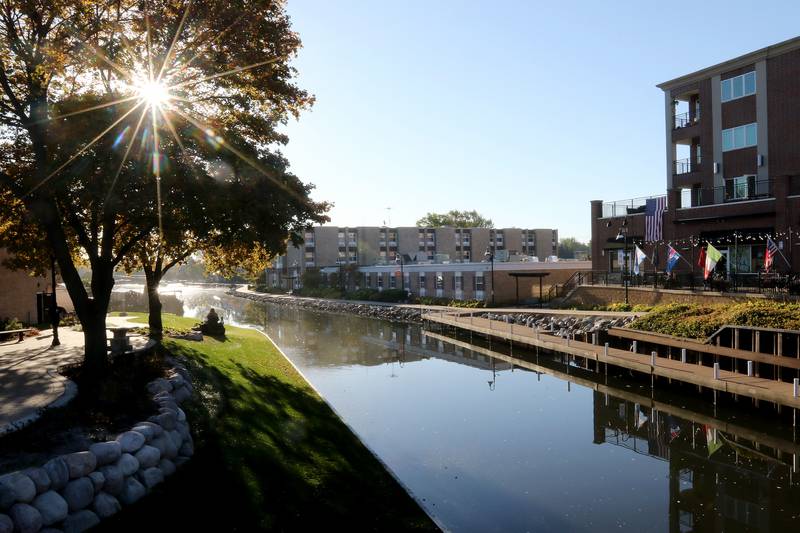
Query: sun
[154, 93]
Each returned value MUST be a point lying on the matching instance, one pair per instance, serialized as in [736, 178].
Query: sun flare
[154, 93]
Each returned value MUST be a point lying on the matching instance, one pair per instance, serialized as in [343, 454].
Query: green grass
[700, 321]
[271, 454]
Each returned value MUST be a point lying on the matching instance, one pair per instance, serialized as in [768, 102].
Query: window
[422, 280]
[741, 189]
[380, 280]
[478, 281]
[439, 281]
[739, 86]
[458, 282]
[392, 282]
[366, 279]
[740, 137]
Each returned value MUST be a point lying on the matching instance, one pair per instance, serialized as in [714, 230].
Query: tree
[456, 219]
[90, 90]
[569, 245]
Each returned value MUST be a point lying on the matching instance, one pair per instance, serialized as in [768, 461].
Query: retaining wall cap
[130, 441]
[106, 452]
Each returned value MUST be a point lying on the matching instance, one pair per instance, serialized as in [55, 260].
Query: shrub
[9, 324]
[700, 321]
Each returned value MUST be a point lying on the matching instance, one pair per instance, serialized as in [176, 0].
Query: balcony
[686, 165]
[621, 208]
[684, 120]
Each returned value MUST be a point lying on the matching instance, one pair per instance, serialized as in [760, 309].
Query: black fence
[770, 283]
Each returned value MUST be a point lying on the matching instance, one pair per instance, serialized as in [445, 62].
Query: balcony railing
[622, 208]
[732, 191]
[682, 166]
[684, 120]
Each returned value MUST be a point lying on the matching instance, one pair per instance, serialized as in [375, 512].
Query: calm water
[487, 446]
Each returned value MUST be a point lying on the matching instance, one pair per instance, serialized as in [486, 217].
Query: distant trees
[569, 245]
[456, 219]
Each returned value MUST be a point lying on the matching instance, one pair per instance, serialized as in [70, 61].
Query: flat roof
[731, 64]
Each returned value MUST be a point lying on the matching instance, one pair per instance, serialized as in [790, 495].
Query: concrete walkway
[29, 379]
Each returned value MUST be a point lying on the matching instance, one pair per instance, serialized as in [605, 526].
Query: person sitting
[213, 324]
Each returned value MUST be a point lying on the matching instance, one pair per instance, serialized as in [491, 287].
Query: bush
[320, 292]
[700, 321]
[8, 324]
[471, 304]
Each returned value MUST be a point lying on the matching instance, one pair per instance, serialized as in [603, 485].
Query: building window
[392, 282]
[740, 137]
[478, 281]
[739, 86]
[439, 281]
[422, 281]
[458, 282]
[380, 280]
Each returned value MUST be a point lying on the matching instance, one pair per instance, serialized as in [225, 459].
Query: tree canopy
[127, 126]
[454, 218]
[569, 245]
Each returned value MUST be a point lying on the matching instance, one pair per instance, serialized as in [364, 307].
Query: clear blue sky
[524, 111]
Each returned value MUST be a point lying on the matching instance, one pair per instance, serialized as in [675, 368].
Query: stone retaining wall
[385, 312]
[74, 492]
[589, 295]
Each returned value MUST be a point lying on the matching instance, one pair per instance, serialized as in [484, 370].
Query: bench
[120, 343]
[20, 332]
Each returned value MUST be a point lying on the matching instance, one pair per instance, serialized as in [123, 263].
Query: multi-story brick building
[732, 167]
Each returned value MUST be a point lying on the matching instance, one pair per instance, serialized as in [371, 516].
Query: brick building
[732, 168]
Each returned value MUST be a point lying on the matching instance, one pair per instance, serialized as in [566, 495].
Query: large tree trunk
[154, 306]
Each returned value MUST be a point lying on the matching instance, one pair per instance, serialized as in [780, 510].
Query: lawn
[270, 453]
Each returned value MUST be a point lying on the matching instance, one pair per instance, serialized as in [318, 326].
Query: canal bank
[271, 453]
[493, 437]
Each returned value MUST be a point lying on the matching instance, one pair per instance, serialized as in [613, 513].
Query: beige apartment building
[334, 246]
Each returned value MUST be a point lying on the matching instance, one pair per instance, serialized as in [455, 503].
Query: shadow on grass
[272, 455]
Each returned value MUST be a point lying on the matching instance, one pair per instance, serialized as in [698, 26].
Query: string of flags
[743, 238]
[707, 259]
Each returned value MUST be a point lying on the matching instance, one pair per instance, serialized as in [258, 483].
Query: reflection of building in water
[718, 481]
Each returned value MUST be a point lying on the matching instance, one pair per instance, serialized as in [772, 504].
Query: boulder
[80, 521]
[127, 464]
[7, 497]
[6, 524]
[98, 480]
[113, 479]
[58, 472]
[130, 441]
[167, 421]
[147, 431]
[167, 466]
[79, 493]
[40, 479]
[26, 518]
[151, 477]
[148, 457]
[105, 505]
[51, 506]
[80, 463]
[132, 491]
[182, 394]
[176, 438]
[181, 415]
[157, 430]
[21, 485]
[186, 449]
[106, 452]
[159, 385]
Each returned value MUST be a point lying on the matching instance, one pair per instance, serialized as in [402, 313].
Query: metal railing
[771, 283]
[682, 166]
[752, 189]
[683, 120]
[621, 208]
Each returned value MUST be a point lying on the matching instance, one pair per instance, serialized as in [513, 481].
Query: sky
[525, 111]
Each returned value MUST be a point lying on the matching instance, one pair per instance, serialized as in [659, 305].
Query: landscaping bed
[270, 453]
[700, 321]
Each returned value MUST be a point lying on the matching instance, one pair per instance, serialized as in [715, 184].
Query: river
[492, 444]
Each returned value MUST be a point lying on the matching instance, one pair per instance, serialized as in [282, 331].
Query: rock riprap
[561, 325]
[74, 492]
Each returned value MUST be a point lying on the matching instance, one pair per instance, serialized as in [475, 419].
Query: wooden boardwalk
[779, 392]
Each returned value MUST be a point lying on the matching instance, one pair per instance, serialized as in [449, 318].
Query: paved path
[28, 370]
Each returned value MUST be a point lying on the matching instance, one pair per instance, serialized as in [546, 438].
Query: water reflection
[494, 438]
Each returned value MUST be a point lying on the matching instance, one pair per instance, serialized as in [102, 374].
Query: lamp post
[399, 259]
[490, 256]
[623, 234]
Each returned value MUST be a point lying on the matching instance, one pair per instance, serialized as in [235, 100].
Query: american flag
[653, 218]
[772, 249]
